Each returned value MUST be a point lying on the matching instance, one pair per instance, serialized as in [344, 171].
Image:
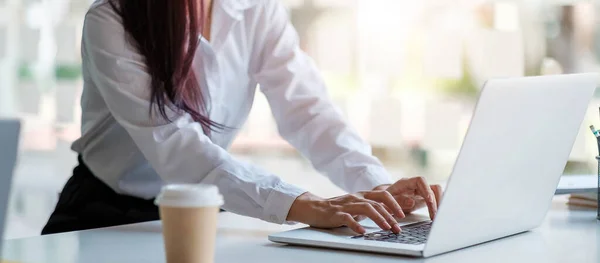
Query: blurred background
[405, 73]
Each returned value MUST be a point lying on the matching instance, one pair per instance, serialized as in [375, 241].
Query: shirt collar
[236, 8]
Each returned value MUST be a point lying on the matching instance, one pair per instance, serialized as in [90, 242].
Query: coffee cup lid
[189, 195]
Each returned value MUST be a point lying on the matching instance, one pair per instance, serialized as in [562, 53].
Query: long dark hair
[165, 32]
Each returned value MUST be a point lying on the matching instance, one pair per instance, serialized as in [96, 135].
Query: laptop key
[411, 234]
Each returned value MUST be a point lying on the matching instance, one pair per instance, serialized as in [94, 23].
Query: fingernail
[408, 202]
[387, 226]
[430, 199]
[362, 230]
[397, 228]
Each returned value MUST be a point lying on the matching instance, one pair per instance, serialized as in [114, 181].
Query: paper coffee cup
[189, 220]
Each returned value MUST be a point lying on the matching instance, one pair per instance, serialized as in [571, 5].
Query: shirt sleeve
[305, 116]
[179, 151]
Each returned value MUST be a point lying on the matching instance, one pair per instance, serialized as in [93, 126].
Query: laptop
[9, 140]
[505, 176]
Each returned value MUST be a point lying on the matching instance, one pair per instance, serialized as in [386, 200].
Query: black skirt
[87, 203]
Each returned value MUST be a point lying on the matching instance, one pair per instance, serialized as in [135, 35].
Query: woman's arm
[309, 121]
[305, 116]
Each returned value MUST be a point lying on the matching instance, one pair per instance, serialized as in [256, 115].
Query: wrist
[302, 206]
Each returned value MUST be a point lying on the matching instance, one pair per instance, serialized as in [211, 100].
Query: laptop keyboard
[413, 234]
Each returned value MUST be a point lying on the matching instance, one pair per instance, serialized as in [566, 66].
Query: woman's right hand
[347, 210]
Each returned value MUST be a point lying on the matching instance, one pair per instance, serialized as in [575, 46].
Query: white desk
[565, 236]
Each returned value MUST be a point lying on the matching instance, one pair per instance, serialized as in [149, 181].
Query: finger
[426, 192]
[437, 191]
[389, 210]
[388, 200]
[406, 202]
[368, 210]
[387, 215]
[423, 189]
[348, 220]
[409, 193]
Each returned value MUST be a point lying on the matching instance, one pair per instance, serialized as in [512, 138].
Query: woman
[168, 83]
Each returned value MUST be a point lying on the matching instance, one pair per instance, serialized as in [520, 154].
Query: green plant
[463, 86]
[25, 72]
[61, 72]
[67, 71]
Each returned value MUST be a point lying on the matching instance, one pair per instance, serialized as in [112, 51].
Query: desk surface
[565, 236]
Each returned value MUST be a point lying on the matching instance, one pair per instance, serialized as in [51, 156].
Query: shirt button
[274, 218]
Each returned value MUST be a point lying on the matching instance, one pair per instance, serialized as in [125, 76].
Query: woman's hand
[347, 210]
[380, 205]
[415, 193]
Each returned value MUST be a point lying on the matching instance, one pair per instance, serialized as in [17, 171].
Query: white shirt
[252, 43]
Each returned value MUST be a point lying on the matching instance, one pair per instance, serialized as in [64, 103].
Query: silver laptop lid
[9, 140]
[512, 158]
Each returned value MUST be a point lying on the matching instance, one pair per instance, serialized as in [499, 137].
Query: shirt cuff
[371, 178]
[280, 201]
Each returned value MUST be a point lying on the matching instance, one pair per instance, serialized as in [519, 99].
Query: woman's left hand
[414, 193]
